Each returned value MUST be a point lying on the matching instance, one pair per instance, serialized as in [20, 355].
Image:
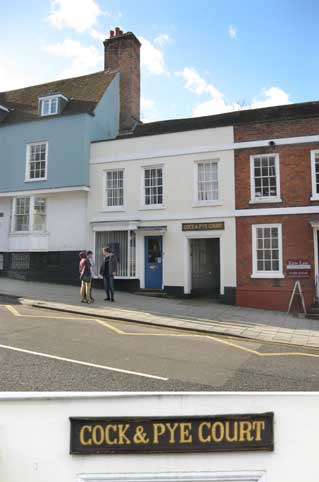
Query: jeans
[109, 285]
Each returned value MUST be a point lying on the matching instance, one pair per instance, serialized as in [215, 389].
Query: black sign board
[171, 434]
[203, 226]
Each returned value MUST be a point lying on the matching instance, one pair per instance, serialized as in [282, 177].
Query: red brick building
[277, 205]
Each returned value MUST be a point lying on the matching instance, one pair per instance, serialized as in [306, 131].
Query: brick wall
[295, 175]
[297, 242]
[122, 52]
[276, 130]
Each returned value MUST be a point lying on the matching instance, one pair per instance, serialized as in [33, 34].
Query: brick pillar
[122, 52]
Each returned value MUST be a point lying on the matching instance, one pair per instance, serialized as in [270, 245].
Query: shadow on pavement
[9, 300]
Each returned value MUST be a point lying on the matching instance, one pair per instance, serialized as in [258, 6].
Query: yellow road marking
[16, 313]
[110, 326]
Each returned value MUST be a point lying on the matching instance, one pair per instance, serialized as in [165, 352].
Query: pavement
[195, 315]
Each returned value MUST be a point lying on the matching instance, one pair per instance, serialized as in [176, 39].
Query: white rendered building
[165, 204]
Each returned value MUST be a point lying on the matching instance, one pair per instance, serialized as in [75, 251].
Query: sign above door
[203, 226]
[222, 433]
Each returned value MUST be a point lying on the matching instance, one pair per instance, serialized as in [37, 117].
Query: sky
[197, 57]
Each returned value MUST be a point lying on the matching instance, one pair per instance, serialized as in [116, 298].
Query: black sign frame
[211, 226]
[197, 424]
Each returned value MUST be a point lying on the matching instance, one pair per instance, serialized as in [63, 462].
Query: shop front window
[123, 245]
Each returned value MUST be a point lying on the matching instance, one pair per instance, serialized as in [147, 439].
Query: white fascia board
[44, 191]
[52, 96]
[277, 211]
[205, 149]
[167, 217]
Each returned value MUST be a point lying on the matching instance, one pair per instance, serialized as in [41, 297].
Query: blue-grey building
[45, 136]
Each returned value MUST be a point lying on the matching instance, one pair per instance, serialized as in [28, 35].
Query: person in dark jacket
[108, 271]
[85, 277]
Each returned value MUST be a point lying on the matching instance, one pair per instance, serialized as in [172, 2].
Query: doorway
[153, 262]
[205, 265]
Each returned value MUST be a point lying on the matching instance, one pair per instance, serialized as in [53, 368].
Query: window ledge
[208, 204]
[36, 180]
[314, 198]
[265, 200]
[267, 276]
[29, 233]
[113, 209]
[152, 206]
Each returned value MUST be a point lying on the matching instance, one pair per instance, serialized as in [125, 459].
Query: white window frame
[266, 274]
[27, 164]
[50, 98]
[31, 215]
[215, 202]
[142, 202]
[315, 194]
[264, 199]
[106, 208]
[200, 476]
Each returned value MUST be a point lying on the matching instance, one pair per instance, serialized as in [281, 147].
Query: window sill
[265, 201]
[314, 198]
[114, 209]
[29, 233]
[208, 204]
[36, 180]
[151, 207]
[267, 276]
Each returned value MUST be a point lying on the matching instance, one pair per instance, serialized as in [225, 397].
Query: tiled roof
[290, 111]
[84, 93]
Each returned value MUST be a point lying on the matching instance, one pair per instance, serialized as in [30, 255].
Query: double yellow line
[218, 339]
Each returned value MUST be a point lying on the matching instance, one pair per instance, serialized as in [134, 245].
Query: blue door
[153, 262]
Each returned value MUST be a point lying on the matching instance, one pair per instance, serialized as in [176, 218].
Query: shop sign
[171, 434]
[298, 268]
[203, 226]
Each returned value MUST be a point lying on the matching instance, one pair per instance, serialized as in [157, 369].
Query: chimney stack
[122, 52]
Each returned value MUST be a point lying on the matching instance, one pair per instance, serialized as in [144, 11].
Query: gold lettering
[123, 439]
[245, 431]
[108, 440]
[234, 437]
[85, 428]
[258, 426]
[172, 428]
[98, 438]
[221, 429]
[158, 429]
[185, 433]
[201, 434]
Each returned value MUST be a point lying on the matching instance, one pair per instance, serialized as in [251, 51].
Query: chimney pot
[111, 33]
[117, 31]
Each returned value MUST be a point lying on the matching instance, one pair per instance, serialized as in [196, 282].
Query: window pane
[267, 252]
[265, 177]
[37, 161]
[153, 186]
[207, 181]
[118, 242]
[114, 188]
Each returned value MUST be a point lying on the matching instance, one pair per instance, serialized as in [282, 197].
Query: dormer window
[52, 104]
[49, 106]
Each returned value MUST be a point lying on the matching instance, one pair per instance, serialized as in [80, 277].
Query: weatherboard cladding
[84, 93]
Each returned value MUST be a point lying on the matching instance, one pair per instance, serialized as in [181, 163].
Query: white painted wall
[178, 154]
[35, 436]
[5, 208]
[67, 225]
